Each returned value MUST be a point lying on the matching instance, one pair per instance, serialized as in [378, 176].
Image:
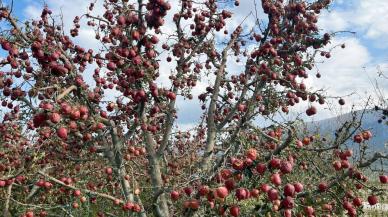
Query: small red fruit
[309, 210]
[62, 133]
[188, 191]
[288, 202]
[273, 194]
[286, 167]
[358, 138]
[261, 168]
[171, 95]
[289, 190]
[108, 171]
[174, 195]
[311, 111]
[75, 205]
[337, 165]
[383, 179]
[287, 213]
[357, 201]
[29, 214]
[275, 179]
[238, 164]
[55, 118]
[222, 192]
[322, 187]
[230, 184]
[255, 192]
[194, 204]
[298, 187]
[241, 107]
[372, 200]
[203, 190]
[347, 205]
[265, 187]
[366, 135]
[252, 154]
[77, 193]
[234, 210]
[242, 193]
[135, 35]
[275, 163]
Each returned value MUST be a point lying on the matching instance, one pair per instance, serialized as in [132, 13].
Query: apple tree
[93, 132]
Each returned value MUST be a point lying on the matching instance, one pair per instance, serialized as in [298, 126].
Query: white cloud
[69, 11]
[333, 21]
[348, 71]
[367, 18]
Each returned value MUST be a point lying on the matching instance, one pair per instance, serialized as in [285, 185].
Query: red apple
[289, 190]
[298, 187]
[367, 135]
[273, 194]
[288, 202]
[383, 179]
[265, 187]
[255, 192]
[309, 210]
[242, 193]
[261, 168]
[188, 190]
[55, 118]
[194, 204]
[235, 210]
[222, 192]
[77, 193]
[322, 187]
[174, 195]
[203, 190]
[372, 200]
[62, 133]
[358, 138]
[337, 165]
[275, 179]
[252, 154]
[230, 184]
[285, 167]
[108, 171]
[357, 201]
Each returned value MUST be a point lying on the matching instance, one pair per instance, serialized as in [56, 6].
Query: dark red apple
[383, 179]
[289, 190]
[372, 200]
[234, 211]
[174, 195]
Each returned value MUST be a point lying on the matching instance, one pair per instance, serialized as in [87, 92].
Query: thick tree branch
[212, 130]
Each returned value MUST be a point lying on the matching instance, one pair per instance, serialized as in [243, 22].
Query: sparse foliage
[92, 132]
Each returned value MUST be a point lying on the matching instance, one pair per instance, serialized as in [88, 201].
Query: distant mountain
[379, 140]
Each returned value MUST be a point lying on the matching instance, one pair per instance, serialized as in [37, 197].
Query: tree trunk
[116, 159]
[160, 203]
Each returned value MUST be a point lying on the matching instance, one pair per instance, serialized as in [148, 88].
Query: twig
[67, 91]
[106, 196]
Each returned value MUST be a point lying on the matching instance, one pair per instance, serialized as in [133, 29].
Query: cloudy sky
[351, 71]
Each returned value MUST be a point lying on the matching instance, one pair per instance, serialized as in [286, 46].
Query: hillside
[327, 127]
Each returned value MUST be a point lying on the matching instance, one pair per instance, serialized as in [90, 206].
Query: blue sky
[350, 70]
